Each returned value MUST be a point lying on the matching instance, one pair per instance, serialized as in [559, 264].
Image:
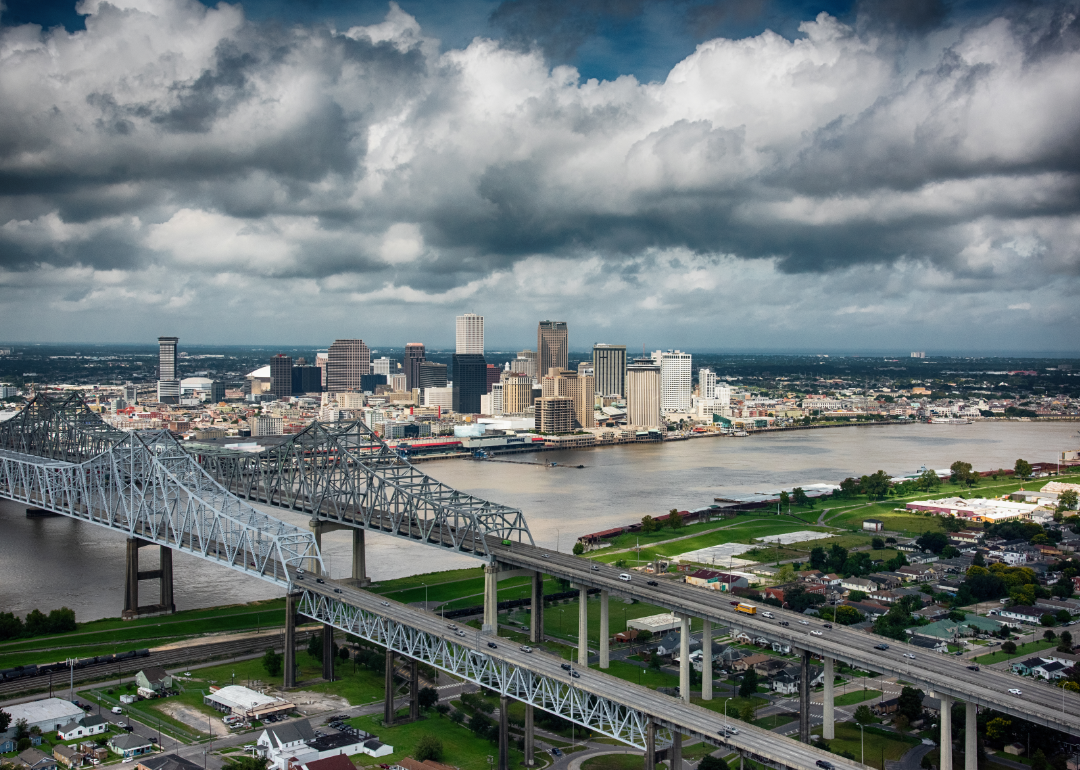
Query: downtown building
[525, 363]
[517, 397]
[643, 393]
[676, 377]
[578, 387]
[470, 368]
[414, 356]
[281, 377]
[552, 346]
[168, 387]
[609, 369]
[346, 362]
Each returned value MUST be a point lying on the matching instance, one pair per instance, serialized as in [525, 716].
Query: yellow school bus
[749, 609]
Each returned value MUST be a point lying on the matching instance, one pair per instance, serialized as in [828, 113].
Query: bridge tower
[163, 574]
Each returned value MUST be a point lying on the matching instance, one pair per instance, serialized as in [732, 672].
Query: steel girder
[345, 474]
[147, 486]
[59, 428]
[546, 693]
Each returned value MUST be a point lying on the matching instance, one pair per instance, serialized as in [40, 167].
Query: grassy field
[776, 720]
[1022, 650]
[646, 677]
[615, 762]
[733, 704]
[461, 748]
[858, 696]
[561, 620]
[878, 745]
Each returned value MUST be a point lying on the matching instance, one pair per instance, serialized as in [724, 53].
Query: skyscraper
[470, 334]
[517, 393]
[430, 375]
[706, 383]
[382, 366]
[414, 355]
[552, 341]
[676, 375]
[470, 382]
[281, 376]
[643, 395]
[579, 388]
[168, 376]
[525, 363]
[493, 375]
[609, 368]
[346, 362]
[320, 362]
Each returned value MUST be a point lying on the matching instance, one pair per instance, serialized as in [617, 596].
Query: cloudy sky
[887, 175]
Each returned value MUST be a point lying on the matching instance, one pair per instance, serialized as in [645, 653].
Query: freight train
[20, 672]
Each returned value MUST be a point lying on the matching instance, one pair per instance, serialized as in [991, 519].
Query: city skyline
[821, 177]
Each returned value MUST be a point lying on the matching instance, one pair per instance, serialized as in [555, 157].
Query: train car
[106, 658]
[143, 653]
[125, 655]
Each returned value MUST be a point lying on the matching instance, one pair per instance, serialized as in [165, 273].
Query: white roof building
[658, 624]
[243, 701]
[48, 713]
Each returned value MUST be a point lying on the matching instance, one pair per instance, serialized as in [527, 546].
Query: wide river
[48, 563]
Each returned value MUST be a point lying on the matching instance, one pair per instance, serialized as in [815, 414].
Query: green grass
[1022, 650]
[461, 748]
[776, 720]
[647, 677]
[878, 743]
[734, 705]
[858, 696]
[561, 620]
[615, 762]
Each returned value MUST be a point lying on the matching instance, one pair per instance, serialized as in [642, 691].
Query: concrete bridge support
[804, 696]
[971, 737]
[684, 659]
[414, 690]
[583, 627]
[388, 701]
[828, 713]
[604, 630]
[650, 745]
[945, 743]
[536, 622]
[290, 641]
[132, 576]
[491, 599]
[358, 575]
[530, 738]
[706, 661]
[328, 652]
[676, 752]
[504, 733]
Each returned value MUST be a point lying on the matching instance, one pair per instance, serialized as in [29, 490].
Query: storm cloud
[173, 159]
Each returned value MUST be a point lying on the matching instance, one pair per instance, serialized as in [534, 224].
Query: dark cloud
[901, 15]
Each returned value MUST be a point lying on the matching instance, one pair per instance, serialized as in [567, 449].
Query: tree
[785, 574]
[1022, 469]
[950, 552]
[848, 615]
[785, 499]
[934, 542]
[1062, 616]
[1067, 501]
[849, 487]
[979, 560]
[314, 646]
[1009, 648]
[675, 519]
[963, 474]
[579, 548]
[838, 556]
[5, 721]
[246, 762]
[909, 704]
[1047, 619]
[22, 730]
[819, 558]
[748, 686]
[956, 616]
[649, 525]
[863, 715]
[928, 481]
[11, 626]
[1038, 760]
[1049, 635]
[1065, 642]
[709, 762]
[427, 697]
[272, 662]
[746, 712]
[800, 498]
[856, 596]
[429, 747]
[877, 543]
[999, 729]
[876, 485]
[343, 653]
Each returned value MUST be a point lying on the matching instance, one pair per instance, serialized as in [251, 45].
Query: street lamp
[726, 723]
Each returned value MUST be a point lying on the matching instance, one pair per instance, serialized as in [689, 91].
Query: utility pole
[71, 668]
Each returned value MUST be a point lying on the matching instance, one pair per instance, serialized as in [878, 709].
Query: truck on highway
[748, 609]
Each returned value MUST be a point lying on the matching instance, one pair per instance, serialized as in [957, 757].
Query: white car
[816, 633]
[1014, 691]
[805, 622]
[909, 655]
[624, 577]
[117, 710]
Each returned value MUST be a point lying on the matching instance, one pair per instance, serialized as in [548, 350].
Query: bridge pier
[684, 658]
[804, 697]
[504, 733]
[388, 701]
[706, 661]
[828, 715]
[163, 574]
[328, 652]
[491, 600]
[359, 560]
[290, 641]
[530, 749]
[945, 744]
[414, 690]
[676, 751]
[604, 630]
[536, 621]
[583, 627]
[971, 737]
[650, 745]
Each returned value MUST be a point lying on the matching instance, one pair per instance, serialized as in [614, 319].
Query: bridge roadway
[940, 674]
[666, 711]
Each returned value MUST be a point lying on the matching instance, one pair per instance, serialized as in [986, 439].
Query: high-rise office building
[306, 379]
[609, 368]
[643, 395]
[430, 375]
[723, 395]
[676, 375]
[281, 373]
[706, 379]
[168, 375]
[493, 375]
[517, 393]
[320, 362]
[131, 393]
[525, 363]
[580, 389]
[554, 414]
[382, 366]
[495, 398]
[217, 391]
[552, 340]
[414, 355]
[397, 382]
[346, 362]
[470, 382]
[470, 334]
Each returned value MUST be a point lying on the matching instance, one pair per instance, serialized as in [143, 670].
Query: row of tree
[37, 623]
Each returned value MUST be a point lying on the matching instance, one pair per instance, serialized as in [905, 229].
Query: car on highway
[565, 666]
[493, 646]
[652, 583]
[784, 623]
[555, 751]
[909, 655]
[766, 615]
[385, 604]
[815, 632]
[575, 674]
[804, 622]
[319, 580]
[1015, 691]
[117, 710]
[624, 577]
[525, 648]
[461, 633]
[545, 556]
[337, 590]
[452, 626]
[595, 568]
[973, 668]
[824, 764]
[827, 625]
[881, 646]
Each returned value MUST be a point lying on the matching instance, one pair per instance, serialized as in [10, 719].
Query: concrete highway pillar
[167, 579]
[741, 759]
[290, 641]
[328, 652]
[604, 629]
[388, 701]
[491, 600]
[650, 745]
[359, 563]
[536, 622]
[946, 733]
[706, 661]
[583, 627]
[414, 690]
[676, 751]
[684, 658]
[316, 527]
[530, 749]
[504, 733]
[804, 697]
[971, 737]
[828, 715]
[131, 579]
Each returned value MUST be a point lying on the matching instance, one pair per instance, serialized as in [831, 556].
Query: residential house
[930, 643]
[887, 580]
[750, 661]
[1051, 670]
[932, 612]
[130, 745]
[281, 742]
[972, 625]
[67, 756]
[671, 642]
[81, 727]
[787, 680]
[1022, 613]
[858, 584]
[1026, 667]
[873, 525]
[922, 558]
[341, 762]
[872, 610]
[717, 581]
[33, 759]
[1053, 605]
[917, 573]
[167, 762]
[152, 681]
